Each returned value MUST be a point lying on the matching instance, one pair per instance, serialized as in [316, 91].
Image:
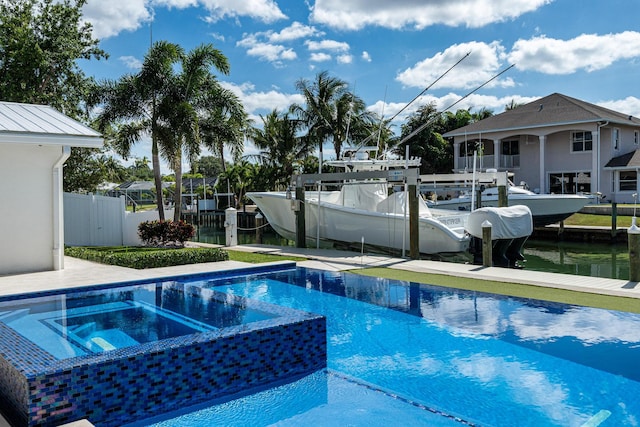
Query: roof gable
[555, 109]
[628, 160]
[41, 124]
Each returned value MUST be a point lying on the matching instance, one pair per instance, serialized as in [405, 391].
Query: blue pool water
[408, 354]
[84, 323]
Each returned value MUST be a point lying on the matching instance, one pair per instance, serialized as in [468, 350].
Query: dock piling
[259, 224]
[231, 227]
[487, 244]
[633, 235]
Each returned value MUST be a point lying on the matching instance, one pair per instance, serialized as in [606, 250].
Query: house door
[570, 182]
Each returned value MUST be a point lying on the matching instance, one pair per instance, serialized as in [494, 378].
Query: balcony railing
[483, 162]
[510, 161]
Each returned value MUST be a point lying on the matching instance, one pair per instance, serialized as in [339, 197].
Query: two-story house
[557, 144]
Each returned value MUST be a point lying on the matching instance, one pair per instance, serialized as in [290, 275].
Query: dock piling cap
[634, 229]
[486, 223]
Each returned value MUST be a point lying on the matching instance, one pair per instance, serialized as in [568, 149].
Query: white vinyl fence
[91, 220]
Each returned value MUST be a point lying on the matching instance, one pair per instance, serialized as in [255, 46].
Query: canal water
[583, 259]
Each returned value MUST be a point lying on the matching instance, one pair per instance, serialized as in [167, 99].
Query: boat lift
[409, 177]
[415, 184]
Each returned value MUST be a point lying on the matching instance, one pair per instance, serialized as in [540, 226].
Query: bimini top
[41, 124]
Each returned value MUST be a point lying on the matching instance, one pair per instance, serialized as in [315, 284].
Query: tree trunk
[177, 168]
[155, 160]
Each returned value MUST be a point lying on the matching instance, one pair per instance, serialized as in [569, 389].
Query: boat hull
[545, 208]
[349, 225]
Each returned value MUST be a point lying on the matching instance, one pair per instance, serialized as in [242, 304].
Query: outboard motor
[510, 229]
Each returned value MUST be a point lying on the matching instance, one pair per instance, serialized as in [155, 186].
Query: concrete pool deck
[82, 273]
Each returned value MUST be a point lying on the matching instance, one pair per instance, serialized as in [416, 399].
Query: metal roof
[41, 124]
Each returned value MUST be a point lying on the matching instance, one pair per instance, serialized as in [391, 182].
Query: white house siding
[26, 210]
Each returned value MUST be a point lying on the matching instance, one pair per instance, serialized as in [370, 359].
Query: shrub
[148, 257]
[165, 233]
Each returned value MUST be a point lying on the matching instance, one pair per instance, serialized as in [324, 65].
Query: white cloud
[590, 52]
[217, 36]
[365, 56]
[266, 51]
[262, 10]
[131, 62]
[293, 32]
[267, 45]
[474, 103]
[109, 18]
[112, 17]
[482, 64]
[256, 102]
[332, 45]
[629, 105]
[356, 14]
[178, 4]
[345, 59]
[320, 57]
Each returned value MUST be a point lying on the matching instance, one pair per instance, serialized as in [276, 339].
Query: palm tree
[428, 144]
[512, 105]
[132, 104]
[189, 103]
[331, 112]
[243, 175]
[280, 145]
[225, 124]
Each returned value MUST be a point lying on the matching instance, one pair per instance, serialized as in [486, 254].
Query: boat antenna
[353, 94]
[381, 123]
[418, 95]
[435, 116]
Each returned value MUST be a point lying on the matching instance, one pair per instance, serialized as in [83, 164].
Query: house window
[511, 148]
[615, 138]
[628, 181]
[581, 141]
[510, 157]
[636, 137]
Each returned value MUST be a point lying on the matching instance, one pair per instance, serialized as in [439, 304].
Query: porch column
[595, 160]
[541, 185]
[456, 155]
[496, 153]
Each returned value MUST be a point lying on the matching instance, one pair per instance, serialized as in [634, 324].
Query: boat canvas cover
[395, 204]
[506, 223]
[363, 195]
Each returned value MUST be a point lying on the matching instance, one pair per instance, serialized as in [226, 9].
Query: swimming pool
[425, 355]
[121, 352]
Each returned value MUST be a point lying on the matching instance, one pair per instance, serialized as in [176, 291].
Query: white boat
[545, 208]
[363, 213]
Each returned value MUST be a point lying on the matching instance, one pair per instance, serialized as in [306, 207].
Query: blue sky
[389, 51]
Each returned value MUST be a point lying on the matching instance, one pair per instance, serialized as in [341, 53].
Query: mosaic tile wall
[132, 383]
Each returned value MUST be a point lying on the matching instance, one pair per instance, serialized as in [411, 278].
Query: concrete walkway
[82, 273]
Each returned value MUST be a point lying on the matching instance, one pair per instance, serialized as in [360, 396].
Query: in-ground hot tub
[117, 353]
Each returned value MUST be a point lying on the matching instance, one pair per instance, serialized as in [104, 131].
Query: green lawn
[257, 258]
[511, 289]
[597, 220]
